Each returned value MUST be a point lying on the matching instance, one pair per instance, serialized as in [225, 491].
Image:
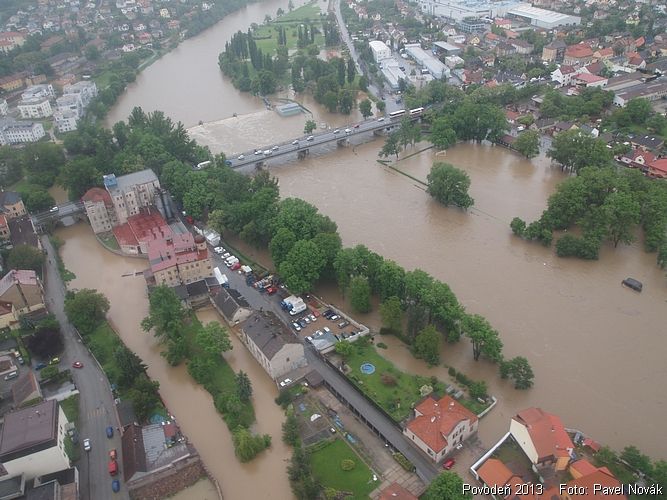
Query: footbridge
[301, 146]
[46, 218]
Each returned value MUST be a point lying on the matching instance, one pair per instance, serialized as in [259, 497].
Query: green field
[397, 393]
[266, 36]
[326, 467]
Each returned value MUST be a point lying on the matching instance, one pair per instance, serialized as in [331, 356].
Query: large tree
[449, 185]
[622, 213]
[78, 175]
[213, 339]
[360, 294]
[365, 108]
[302, 266]
[25, 257]
[528, 143]
[575, 150]
[130, 366]
[519, 370]
[42, 162]
[392, 315]
[442, 134]
[391, 146]
[427, 345]
[485, 340]
[86, 309]
[449, 486]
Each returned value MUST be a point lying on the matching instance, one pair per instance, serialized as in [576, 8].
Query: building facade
[99, 209]
[23, 289]
[178, 259]
[131, 192]
[274, 348]
[14, 132]
[11, 204]
[32, 441]
[439, 425]
[85, 90]
[38, 107]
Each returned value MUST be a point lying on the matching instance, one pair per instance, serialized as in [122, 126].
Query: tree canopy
[449, 185]
[86, 309]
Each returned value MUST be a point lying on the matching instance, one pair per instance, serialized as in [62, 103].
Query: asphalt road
[96, 405]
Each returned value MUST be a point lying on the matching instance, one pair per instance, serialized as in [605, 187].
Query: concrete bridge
[70, 209]
[301, 146]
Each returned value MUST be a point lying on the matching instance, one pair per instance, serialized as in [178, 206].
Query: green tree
[381, 106]
[365, 108]
[79, 175]
[392, 315]
[25, 257]
[130, 366]
[346, 101]
[518, 226]
[518, 369]
[165, 313]
[528, 143]
[144, 397]
[363, 83]
[290, 427]
[449, 185]
[243, 386]
[329, 245]
[344, 350]
[443, 135]
[484, 338]
[280, 245]
[49, 372]
[300, 473]
[42, 162]
[427, 345]
[213, 339]
[202, 369]
[247, 446]
[36, 199]
[86, 309]
[575, 150]
[391, 146]
[447, 485]
[622, 213]
[360, 294]
[309, 127]
[637, 460]
[478, 389]
[351, 70]
[302, 266]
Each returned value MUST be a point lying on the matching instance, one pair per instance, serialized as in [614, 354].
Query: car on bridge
[54, 209]
[310, 138]
[240, 157]
[295, 142]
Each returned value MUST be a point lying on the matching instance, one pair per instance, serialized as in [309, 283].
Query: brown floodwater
[192, 406]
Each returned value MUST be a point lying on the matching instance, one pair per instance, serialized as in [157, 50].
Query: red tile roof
[494, 473]
[593, 445]
[437, 420]
[606, 52]
[600, 478]
[583, 467]
[588, 78]
[578, 51]
[396, 492]
[546, 432]
[124, 235]
[659, 166]
[178, 249]
[96, 195]
[149, 225]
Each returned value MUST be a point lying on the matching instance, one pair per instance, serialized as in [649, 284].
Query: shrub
[347, 464]
[478, 389]
[461, 378]
[404, 462]
[452, 371]
[381, 345]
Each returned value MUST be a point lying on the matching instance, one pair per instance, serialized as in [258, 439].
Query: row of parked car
[231, 261]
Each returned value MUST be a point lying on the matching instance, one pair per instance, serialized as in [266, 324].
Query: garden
[338, 467]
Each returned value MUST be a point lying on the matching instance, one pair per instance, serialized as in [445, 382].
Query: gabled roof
[587, 78]
[20, 276]
[601, 478]
[134, 456]
[494, 473]
[396, 492]
[438, 419]
[9, 198]
[96, 194]
[578, 51]
[229, 301]
[583, 467]
[267, 332]
[546, 432]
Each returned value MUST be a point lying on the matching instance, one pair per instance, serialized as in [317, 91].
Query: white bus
[416, 111]
[397, 114]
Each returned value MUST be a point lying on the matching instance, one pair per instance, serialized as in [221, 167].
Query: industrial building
[392, 73]
[460, 9]
[426, 60]
[380, 50]
[542, 18]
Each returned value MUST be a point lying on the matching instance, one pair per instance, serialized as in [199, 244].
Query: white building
[131, 192]
[392, 73]
[66, 120]
[14, 132]
[70, 102]
[380, 50]
[38, 107]
[32, 442]
[38, 91]
[542, 18]
[86, 90]
[460, 9]
[4, 107]
[426, 60]
[99, 209]
[276, 349]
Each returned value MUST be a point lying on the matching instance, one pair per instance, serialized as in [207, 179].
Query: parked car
[113, 455]
[235, 266]
[20, 360]
[86, 444]
[332, 430]
[226, 255]
[301, 322]
[348, 131]
[310, 138]
[356, 126]
[274, 148]
[54, 209]
[12, 375]
[312, 318]
[296, 326]
[54, 361]
[295, 142]
[449, 463]
[257, 152]
[337, 131]
[77, 364]
[334, 317]
[109, 432]
[113, 467]
[381, 119]
[327, 329]
[307, 320]
[115, 485]
[219, 250]
[39, 366]
[271, 290]
[285, 382]
[343, 324]
[240, 157]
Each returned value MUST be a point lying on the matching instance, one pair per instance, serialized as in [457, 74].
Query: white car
[310, 138]
[312, 318]
[226, 254]
[381, 119]
[219, 250]
[285, 382]
[54, 209]
[274, 148]
[348, 131]
[327, 329]
[240, 157]
[86, 444]
[337, 131]
[258, 152]
[295, 142]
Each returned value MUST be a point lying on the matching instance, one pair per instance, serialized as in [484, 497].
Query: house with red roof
[543, 438]
[588, 80]
[657, 169]
[637, 158]
[177, 259]
[596, 484]
[578, 55]
[439, 425]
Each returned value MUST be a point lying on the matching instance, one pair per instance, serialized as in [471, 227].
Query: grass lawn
[70, 407]
[109, 240]
[396, 398]
[306, 12]
[326, 467]
[102, 343]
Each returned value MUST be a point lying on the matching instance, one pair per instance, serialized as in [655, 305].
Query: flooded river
[192, 406]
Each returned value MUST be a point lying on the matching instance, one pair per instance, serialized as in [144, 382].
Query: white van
[12, 375]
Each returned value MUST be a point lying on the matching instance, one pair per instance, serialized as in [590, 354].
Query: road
[294, 146]
[96, 404]
[425, 467]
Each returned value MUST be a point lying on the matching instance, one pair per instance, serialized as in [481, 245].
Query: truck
[212, 237]
[298, 307]
[221, 277]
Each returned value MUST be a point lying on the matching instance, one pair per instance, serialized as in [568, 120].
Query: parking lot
[313, 320]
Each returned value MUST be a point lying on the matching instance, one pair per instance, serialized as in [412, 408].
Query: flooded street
[192, 406]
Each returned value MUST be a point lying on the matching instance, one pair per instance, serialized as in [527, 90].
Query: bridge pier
[302, 153]
[342, 142]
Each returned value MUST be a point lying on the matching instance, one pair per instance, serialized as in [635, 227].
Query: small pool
[367, 368]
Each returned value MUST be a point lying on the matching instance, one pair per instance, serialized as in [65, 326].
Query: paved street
[96, 402]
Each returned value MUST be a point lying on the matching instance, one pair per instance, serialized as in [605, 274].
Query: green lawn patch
[393, 390]
[70, 407]
[308, 12]
[266, 35]
[473, 405]
[109, 240]
[326, 464]
[102, 343]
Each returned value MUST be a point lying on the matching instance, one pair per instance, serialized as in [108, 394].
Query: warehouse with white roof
[543, 18]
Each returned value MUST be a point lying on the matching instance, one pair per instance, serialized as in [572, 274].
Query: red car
[235, 266]
[271, 290]
[77, 364]
[113, 467]
[448, 464]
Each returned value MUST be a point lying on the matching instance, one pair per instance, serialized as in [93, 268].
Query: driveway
[96, 405]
